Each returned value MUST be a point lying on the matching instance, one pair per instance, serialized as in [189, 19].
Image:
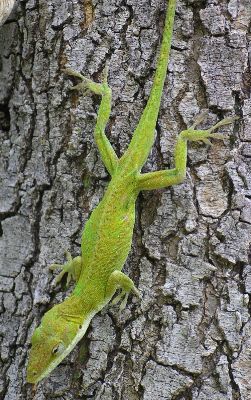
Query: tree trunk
[189, 338]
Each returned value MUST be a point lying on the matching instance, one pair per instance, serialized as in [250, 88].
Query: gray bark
[5, 9]
[190, 336]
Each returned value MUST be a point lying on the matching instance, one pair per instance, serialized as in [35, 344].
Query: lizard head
[52, 341]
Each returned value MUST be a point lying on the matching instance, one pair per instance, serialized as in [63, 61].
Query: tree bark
[189, 338]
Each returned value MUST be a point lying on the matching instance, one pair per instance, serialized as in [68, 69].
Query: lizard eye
[58, 349]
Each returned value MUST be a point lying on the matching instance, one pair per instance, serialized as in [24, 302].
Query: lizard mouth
[32, 377]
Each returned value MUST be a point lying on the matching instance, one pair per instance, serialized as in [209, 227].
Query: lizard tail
[143, 136]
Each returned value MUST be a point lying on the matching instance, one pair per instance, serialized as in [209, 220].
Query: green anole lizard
[107, 235]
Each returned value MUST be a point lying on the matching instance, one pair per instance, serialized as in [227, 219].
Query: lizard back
[107, 236]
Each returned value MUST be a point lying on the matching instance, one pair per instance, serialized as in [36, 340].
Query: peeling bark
[190, 336]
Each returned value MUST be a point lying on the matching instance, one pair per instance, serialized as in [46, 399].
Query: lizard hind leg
[106, 150]
[161, 179]
[72, 267]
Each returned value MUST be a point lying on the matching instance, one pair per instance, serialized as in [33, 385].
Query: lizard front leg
[118, 280]
[106, 150]
[72, 267]
[161, 179]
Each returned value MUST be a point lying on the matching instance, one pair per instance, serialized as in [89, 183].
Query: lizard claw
[72, 268]
[199, 118]
[123, 297]
[71, 72]
[81, 86]
[105, 74]
[225, 121]
[204, 135]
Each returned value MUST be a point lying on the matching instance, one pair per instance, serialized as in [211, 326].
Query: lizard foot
[205, 135]
[89, 85]
[72, 267]
[123, 297]
[118, 280]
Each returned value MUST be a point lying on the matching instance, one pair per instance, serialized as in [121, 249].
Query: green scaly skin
[107, 236]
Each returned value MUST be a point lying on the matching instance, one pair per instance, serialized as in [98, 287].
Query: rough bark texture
[190, 336]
